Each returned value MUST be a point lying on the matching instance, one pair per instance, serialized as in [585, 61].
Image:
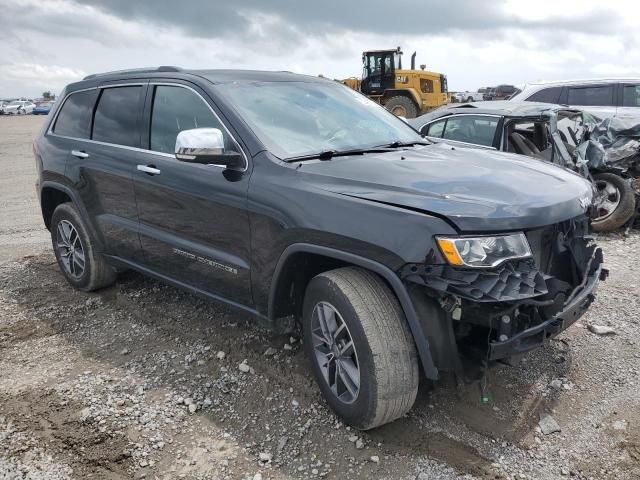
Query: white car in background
[467, 97]
[605, 97]
[18, 107]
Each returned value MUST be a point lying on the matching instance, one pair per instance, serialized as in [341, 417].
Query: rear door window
[546, 95]
[592, 96]
[631, 95]
[74, 119]
[479, 130]
[116, 118]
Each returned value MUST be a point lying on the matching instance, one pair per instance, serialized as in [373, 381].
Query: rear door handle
[79, 154]
[150, 169]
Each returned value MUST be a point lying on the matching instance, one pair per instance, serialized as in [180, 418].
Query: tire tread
[390, 341]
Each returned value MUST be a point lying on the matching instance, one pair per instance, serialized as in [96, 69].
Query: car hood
[475, 190]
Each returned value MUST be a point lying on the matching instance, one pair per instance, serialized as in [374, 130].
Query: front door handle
[150, 169]
[79, 154]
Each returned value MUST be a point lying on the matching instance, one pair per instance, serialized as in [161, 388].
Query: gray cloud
[475, 43]
[216, 19]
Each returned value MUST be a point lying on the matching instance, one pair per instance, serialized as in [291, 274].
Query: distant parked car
[467, 97]
[42, 108]
[19, 107]
[526, 128]
[602, 97]
[502, 92]
[488, 93]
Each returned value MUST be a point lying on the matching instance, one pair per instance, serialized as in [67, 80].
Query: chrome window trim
[144, 150]
[446, 117]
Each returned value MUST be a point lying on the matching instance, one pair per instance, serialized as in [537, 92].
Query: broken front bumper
[575, 306]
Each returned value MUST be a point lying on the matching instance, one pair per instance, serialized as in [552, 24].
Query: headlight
[484, 251]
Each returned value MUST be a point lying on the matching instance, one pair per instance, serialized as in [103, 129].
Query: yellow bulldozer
[406, 93]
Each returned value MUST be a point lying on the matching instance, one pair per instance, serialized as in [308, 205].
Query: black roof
[214, 76]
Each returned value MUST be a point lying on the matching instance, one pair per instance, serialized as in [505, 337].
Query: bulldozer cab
[379, 70]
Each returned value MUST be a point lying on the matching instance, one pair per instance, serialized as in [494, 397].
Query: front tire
[80, 263]
[361, 350]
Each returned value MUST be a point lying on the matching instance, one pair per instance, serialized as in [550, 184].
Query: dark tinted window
[176, 109]
[117, 115]
[631, 96]
[601, 96]
[479, 130]
[74, 119]
[546, 95]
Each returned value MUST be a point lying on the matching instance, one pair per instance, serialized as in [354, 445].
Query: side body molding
[394, 281]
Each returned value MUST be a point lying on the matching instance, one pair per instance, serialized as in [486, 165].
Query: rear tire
[383, 351]
[80, 263]
[402, 106]
[617, 202]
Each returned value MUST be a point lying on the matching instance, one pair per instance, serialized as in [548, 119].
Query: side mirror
[206, 145]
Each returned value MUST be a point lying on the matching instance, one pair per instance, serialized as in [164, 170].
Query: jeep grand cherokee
[296, 199]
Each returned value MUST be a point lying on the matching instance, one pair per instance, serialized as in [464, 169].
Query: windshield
[15, 102]
[305, 118]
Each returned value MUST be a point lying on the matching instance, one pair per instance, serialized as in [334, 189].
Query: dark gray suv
[300, 201]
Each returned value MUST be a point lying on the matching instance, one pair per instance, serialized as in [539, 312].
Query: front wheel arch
[389, 276]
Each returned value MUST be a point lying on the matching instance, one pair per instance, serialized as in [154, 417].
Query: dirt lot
[142, 381]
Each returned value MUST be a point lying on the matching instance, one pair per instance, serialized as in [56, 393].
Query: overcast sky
[45, 44]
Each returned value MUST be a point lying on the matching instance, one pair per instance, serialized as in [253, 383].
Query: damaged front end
[495, 313]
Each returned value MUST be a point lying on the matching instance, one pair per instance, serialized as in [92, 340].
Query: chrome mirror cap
[197, 142]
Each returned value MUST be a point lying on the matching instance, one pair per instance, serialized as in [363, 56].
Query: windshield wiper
[404, 144]
[329, 154]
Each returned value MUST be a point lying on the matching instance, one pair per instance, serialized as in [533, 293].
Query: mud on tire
[385, 353]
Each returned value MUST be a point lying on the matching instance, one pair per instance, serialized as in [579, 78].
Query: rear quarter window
[74, 119]
[631, 96]
[546, 95]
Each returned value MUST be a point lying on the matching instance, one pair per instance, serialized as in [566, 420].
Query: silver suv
[602, 97]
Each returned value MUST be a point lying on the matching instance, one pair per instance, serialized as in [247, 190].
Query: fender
[77, 201]
[394, 281]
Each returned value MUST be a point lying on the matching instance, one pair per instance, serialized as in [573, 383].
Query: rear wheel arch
[283, 285]
[50, 197]
[53, 194]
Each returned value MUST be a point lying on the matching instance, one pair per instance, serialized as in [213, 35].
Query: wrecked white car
[554, 133]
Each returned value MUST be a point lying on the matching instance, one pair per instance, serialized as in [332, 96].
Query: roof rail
[162, 68]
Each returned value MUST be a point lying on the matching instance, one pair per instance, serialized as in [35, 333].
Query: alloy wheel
[607, 199]
[335, 352]
[70, 249]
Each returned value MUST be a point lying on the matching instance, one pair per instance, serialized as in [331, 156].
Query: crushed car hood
[476, 190]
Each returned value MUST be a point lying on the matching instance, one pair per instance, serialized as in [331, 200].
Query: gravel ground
[142, 380]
